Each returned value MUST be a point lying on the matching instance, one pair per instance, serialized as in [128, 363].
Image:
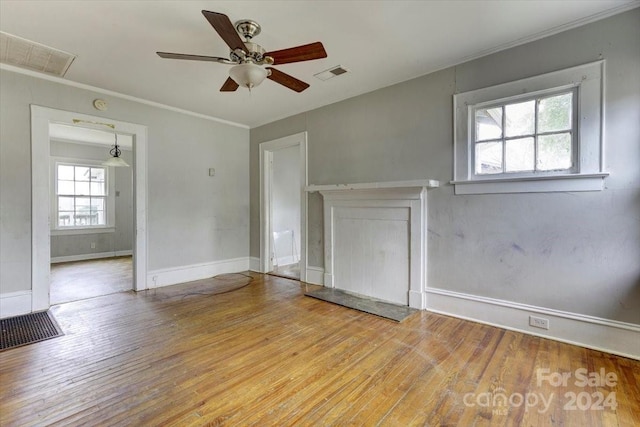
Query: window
[532, 136]
[81, 196]
[536, 134]
[81, 192]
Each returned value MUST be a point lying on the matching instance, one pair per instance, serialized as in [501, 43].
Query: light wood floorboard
[77, 280]
[265, 354]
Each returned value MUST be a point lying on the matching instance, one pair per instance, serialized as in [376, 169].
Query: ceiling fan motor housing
[248, 28]
[255, 53]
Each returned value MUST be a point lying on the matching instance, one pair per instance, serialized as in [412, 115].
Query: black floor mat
[363, 303]
[27, 329]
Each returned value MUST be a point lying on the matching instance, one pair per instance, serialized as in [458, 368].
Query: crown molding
[77, 85]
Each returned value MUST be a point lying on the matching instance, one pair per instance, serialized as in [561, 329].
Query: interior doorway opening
[284, 206]
[41, 119]
[285, 211]
[91, 213]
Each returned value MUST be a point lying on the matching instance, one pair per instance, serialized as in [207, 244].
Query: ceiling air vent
[331, 73]
[33, 56]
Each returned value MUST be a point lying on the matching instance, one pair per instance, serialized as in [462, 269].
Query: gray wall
[576, 252]
[122, 237]
[286, 200]
[192, 218]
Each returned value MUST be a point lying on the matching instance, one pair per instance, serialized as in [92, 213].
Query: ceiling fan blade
[305, 52]
[223, 25]
[286, 80]
[169, 55]
[229, 85]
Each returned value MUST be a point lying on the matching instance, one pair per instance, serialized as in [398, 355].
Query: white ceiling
[380, 42]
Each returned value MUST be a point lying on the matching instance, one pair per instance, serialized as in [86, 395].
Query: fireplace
[375, 241]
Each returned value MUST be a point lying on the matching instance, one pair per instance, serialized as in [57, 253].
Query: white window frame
[109, 199]
[587, 173]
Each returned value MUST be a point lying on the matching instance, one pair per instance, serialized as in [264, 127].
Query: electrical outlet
[538, 322]
[93, 245]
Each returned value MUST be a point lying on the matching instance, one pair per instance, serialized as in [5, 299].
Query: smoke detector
[33, 56]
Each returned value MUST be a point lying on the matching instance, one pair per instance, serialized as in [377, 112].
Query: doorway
[91, 213]
[41, 118]
[283, 172]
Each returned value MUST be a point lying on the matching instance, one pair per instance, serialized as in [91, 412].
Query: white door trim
[40, 189]
[266, 157]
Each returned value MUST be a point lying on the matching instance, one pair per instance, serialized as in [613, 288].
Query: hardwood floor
[73, 281]
[266, 355]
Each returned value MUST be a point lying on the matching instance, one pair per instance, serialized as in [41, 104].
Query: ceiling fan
[248, 58]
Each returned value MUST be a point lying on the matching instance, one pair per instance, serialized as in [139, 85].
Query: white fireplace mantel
[375, 239]
[421, 183]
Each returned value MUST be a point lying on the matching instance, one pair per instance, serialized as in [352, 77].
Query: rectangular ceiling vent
[34, 56]
[331, 73]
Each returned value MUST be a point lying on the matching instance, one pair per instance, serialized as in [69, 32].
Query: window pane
[65, 219]
[65, 172]
[82, 173]
[519, 155]
[488, 123]
[83, 204]
[488, 158]
[97, 189]
[520, 118]
[97, 204]
[94, 218]
[82, 188]
[65, 203]
[98, 218]
[555, 113]
[65, 187]
[97, 174]
[554, 152]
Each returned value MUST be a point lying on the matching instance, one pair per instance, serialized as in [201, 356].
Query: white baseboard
[84, 257]
[189, 273]
[315, 275]
[587, 331]
[15, 303]
[254, 264]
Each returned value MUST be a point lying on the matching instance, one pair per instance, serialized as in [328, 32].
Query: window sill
[546, 184]
[88, 230]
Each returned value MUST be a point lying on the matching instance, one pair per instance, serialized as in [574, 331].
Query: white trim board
[84, 257]
[15, 304]
[315, 275]
[587, 331]
[188, 273]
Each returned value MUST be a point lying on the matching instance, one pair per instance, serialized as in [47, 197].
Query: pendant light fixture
[115, 159]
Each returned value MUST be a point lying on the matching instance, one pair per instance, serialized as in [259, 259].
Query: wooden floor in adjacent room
[77, 280]
[266, 355]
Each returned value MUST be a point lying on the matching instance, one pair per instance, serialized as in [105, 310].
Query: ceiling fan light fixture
[248, 75]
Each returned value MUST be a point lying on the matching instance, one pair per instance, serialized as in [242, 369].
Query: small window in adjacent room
[532, 135]
[81, 197]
